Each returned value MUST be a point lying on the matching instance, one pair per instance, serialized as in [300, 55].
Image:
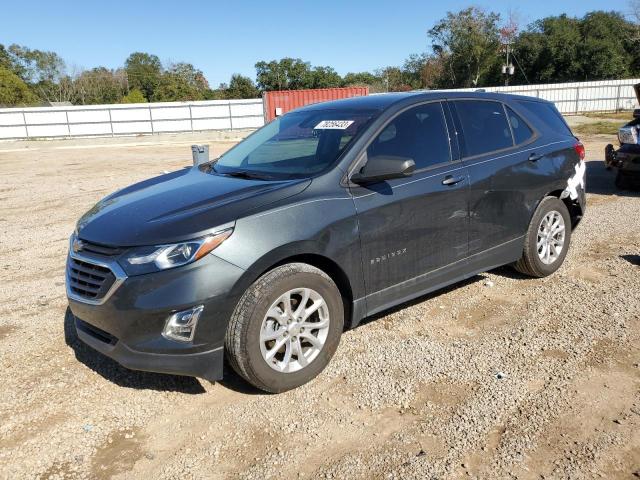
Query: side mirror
[384, 167]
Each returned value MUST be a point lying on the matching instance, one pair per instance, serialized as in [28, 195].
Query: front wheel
[547, 241]
[285, 328]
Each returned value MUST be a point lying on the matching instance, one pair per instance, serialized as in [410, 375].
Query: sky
[222, 38]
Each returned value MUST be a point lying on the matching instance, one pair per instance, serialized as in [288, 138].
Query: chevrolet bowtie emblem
[77, 245]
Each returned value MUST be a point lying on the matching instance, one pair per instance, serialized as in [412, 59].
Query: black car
[325, 216]
[627, 158]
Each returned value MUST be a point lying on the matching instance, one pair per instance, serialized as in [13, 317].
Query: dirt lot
[500, 376]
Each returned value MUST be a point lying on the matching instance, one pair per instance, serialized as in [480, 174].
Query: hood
[178, 206]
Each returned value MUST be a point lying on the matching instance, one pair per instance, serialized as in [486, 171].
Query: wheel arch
[297, 254]
[575, 211]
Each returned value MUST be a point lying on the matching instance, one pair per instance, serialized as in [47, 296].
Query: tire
[621, 182]
[531, 263]
[250, 324]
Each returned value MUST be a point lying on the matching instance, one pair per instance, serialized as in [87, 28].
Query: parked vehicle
[325, 216]
[627, 158]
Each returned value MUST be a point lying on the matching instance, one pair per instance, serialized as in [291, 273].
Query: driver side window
[420, 133]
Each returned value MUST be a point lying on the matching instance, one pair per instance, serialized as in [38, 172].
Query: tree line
[467, 48]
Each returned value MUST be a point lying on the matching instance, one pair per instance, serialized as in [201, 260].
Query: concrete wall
[130, 119]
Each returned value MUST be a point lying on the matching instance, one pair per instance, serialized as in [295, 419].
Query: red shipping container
[279, 102]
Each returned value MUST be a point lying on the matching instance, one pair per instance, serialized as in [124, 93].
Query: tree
[14, 91]
[412, 69]
[468, 41]
[599, 46]
[360, 79]
[240, 87]
[323, 77]
[100, 85]
[190, 75]
[134, 96]
[393, 79]
[143, 72]
[172, 87]
[606, 49]
[284, 74]
[36, 66]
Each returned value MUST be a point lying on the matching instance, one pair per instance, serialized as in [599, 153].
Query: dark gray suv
[325, 216]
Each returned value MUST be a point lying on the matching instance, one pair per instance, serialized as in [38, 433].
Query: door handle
[451, 180]
[534, 157]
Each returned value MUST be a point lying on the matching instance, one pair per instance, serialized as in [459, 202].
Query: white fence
[580, 97]
[150, 118]
[129, 119]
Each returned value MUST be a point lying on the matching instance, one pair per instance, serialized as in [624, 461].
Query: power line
[521, 69]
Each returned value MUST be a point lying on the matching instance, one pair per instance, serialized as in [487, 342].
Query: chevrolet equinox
[325, 216]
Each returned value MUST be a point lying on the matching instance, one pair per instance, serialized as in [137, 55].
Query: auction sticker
[333, 125]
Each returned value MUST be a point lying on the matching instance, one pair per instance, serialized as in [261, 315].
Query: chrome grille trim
[89, 279]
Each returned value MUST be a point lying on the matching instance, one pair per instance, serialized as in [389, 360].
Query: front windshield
[298, 144]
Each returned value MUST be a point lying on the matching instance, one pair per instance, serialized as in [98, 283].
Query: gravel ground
[499, 376]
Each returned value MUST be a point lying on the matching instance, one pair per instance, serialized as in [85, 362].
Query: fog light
[181, 326]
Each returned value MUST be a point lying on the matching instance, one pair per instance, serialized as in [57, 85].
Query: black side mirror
[384, 167]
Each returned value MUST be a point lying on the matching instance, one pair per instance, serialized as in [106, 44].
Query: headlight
[161, 257]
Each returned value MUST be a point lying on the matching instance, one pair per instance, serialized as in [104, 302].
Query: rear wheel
[547, 240]
[285, 328]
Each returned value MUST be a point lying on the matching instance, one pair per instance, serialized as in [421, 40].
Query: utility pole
[508, 69]
[508, 34]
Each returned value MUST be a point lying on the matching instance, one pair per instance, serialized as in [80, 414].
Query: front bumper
[207, 365]
[626, 158]
[127, 326]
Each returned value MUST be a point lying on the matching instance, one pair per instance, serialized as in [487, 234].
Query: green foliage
[14, 92]
[549, 50]
[360, 79]
[599, 46]
[323, 77]
[606, 47]
[284, 74]
[36, 66]
[172, 87]
[134, 96]
[468, 42]
[143, 71]
[99, 86]
[241, 87]
[191, 75]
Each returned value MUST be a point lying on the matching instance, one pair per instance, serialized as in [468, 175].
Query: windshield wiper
[245, 174]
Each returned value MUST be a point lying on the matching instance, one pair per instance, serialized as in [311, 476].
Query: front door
[413, 231]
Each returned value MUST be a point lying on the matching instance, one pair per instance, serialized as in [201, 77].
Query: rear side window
[549, 114]
[521, 131]
[420, 133]
[484, 126]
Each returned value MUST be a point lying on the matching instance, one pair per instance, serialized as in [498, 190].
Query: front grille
[101, 249]
[87, 280]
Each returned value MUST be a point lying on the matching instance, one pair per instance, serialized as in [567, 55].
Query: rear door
[497, 146]
[413, 230]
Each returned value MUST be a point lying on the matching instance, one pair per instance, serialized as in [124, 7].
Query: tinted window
[419, 133]
[484, 126]
[548, 113]
[521, 131]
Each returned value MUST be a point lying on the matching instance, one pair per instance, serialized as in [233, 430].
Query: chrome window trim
[116, 269]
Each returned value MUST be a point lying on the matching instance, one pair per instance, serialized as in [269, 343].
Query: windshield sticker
[333, 125]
